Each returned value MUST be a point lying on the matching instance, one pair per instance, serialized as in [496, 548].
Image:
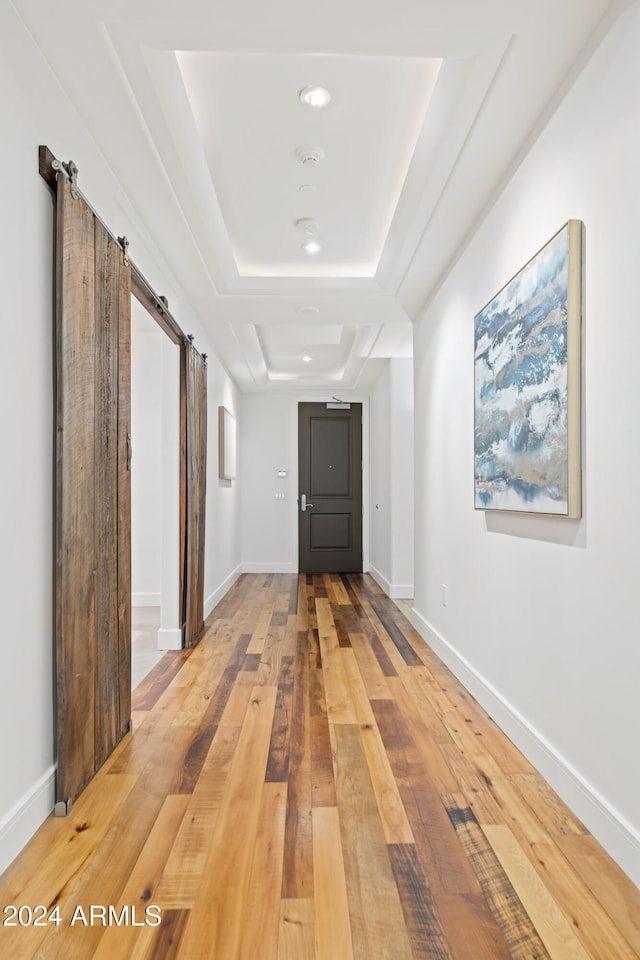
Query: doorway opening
[155, 492]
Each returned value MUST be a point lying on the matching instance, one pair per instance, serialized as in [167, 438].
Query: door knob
[303, 502]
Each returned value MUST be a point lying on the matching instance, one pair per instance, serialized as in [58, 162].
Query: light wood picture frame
[227, 458]
[527, 416]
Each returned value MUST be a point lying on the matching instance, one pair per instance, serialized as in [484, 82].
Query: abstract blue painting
[527, 385]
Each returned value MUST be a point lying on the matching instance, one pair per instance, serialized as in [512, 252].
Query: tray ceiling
[195, 108]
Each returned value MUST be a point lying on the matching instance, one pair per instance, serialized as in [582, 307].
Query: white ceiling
[250, 123]
[195, 107]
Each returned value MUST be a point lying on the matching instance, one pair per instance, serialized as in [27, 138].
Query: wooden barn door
[93, 494]
[193, 488]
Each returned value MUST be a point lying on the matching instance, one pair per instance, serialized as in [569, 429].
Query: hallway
[311, 782]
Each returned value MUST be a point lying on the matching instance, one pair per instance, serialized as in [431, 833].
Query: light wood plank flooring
[311, 783]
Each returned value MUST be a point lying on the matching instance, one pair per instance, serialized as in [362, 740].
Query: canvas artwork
[527, 385]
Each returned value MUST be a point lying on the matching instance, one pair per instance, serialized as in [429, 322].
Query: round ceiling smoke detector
[310, 156]
[308, 226]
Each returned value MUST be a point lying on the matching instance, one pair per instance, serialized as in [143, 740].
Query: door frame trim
[366, 449]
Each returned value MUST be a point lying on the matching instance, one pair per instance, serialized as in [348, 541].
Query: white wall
[170, 631]
[381, 479]
[541, 620]
[26, 542]
[222, 544]
[392, 479]
[401, 469]
[146, 464]
[33, 111]
[268, 442]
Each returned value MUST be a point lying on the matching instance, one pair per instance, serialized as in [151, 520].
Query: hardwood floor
[311, 783]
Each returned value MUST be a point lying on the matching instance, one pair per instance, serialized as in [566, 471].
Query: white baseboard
[146, 599]
[270, 567]
[213, 599]
[25, 817]
[395, 591]
[170, 639]
[402, 591]
[619, 837]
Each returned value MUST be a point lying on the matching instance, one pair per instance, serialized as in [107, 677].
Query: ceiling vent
[308, 226]
[310, 156]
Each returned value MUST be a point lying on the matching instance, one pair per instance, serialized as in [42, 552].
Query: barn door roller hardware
[142, 290]
[71, 170]
[124, 243]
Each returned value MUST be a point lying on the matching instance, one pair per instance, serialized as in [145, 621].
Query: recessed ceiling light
[311, 247]
[314, 96]
[307, 359]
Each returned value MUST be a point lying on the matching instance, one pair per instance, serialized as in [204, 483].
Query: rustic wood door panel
[124, 501]
[193, 489]
[93, 567]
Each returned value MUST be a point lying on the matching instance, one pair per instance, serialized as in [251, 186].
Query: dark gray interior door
[330, 488]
